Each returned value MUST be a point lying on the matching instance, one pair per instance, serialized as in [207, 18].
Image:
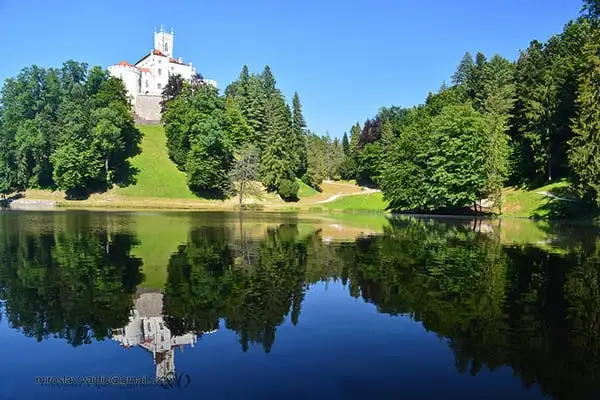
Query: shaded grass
[366, 202]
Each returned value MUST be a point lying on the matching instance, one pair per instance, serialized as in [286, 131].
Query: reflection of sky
[341, 348]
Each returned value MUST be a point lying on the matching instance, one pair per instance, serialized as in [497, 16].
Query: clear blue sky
[346, 59]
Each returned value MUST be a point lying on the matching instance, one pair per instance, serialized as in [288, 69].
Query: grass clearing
[531, 203]
[367, 202]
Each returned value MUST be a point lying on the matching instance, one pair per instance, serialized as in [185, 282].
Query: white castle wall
[147, 107]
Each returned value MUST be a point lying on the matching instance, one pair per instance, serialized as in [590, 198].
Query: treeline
[526, 122]
[69, 128]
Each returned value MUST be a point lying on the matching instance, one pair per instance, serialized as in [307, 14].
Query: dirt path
[553, 196]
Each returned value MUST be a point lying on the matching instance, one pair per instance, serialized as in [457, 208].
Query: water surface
[215, 306]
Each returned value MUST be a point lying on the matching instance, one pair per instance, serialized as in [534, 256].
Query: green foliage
[584, 155]
[288, 189]
[437, 164]
[253, 112]
[299, 135]
[69, 128]
[346, 144]
[172, 89]
[209, 161]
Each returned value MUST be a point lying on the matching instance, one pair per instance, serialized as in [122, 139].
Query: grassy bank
[554, 200]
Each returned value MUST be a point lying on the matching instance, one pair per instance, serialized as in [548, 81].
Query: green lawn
[158, 176]
[530, 203]
[305, 190]
[366, 202]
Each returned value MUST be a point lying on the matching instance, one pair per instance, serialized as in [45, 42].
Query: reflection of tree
[525, 308]
[72, 284]
[253, 296]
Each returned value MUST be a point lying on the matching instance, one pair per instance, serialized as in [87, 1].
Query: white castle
[146, 79]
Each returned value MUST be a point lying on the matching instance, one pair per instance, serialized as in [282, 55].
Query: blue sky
[346, 59]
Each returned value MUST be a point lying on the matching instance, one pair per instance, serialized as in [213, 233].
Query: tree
[171, 90]
[209, 162]
[235, 125]
[437, 164]
[8, 181]
[299, 137]
[278, 161]
[498, 102]
[245, 172]
[584, 155]
[346, 144]
[316, 169]
[464, 70]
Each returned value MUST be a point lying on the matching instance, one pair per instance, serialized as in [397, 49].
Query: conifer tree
[463, 72]
[298, 133]
[346, 144]
[584, 154]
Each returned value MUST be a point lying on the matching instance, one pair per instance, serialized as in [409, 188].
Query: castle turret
[163, 41]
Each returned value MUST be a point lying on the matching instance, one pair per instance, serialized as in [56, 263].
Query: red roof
[158, 53]
[125, 63]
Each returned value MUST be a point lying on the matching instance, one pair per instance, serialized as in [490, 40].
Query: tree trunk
[241, 195]
[106, 170]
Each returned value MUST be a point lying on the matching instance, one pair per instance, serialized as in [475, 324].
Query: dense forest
[249, 133]
[498, 123]
[69, 128]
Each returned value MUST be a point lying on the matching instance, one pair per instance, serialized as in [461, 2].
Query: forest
[498, 123]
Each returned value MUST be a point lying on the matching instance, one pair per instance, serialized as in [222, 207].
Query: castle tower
[163, 41]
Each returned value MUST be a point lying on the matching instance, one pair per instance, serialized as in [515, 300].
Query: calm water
[215, 307]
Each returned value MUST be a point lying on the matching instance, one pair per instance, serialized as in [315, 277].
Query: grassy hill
[158, 176]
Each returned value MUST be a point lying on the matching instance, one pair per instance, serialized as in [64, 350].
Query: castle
[146, 79]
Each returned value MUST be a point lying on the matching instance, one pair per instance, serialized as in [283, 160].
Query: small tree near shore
[244, 173]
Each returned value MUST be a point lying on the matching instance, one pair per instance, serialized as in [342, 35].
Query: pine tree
[299, 135]
[278, 160]
[254, 111]
[463, 72]
[346, 144]
[584, 154]
[268, 82]
[499, 99]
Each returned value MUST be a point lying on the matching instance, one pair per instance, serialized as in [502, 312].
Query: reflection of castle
[148, 330]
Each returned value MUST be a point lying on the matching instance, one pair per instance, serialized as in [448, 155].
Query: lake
[215, 306]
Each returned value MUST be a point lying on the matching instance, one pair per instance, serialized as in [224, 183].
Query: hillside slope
[157, 175]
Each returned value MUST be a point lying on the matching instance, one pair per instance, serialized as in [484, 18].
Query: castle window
[160, 71]
[166, 47]
[147, 84]
[159, 86]
[160, 61]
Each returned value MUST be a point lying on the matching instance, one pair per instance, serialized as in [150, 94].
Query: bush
[288, 190]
